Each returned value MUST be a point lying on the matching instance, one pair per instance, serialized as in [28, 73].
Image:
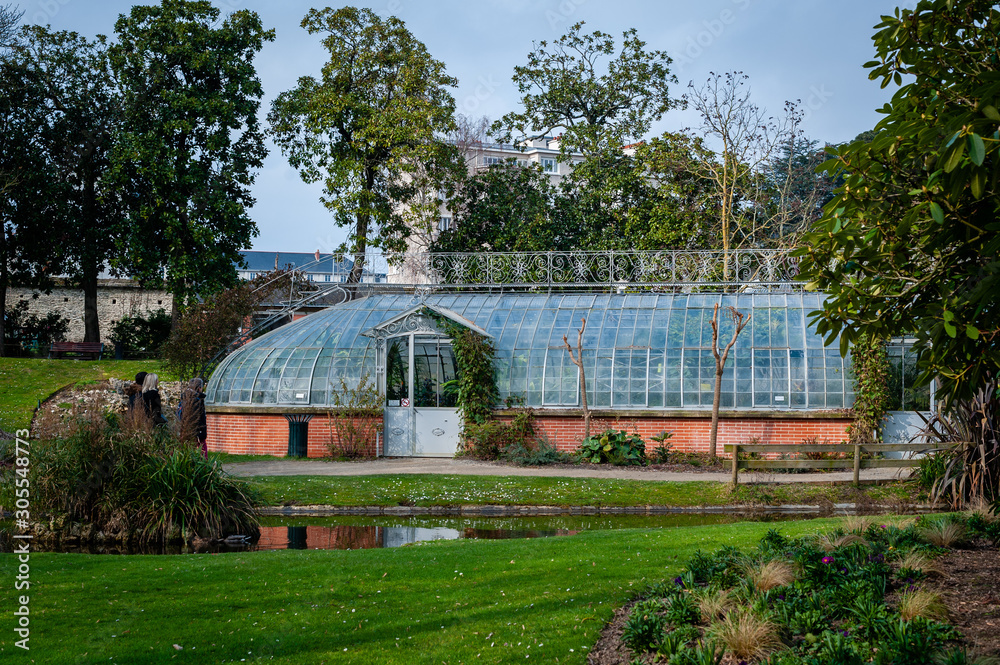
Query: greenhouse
[647, 357]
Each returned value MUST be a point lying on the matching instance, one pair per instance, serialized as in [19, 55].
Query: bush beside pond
[109, 477]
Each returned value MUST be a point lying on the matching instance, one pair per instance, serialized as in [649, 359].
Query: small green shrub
[674, 643]
[616, 447]
[682, 610]
[543, 453]
[644, 627]
[354, 422]
[662, 454]
[26, 334]
[491, 440]
[142, 336]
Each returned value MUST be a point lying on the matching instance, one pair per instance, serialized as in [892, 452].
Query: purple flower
[827, 560]
[881, 526]
[678, 581]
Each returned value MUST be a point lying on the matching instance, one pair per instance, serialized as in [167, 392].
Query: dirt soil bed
[970, 589]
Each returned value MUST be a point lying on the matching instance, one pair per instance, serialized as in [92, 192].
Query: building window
[523, 163]
[444, 224]
[492, 161]
[549, 165]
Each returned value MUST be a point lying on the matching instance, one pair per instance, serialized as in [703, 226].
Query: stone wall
[115, 298]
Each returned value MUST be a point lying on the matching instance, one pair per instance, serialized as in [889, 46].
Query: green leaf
[971, 331]
[991, 112]
[951, 330]
[977, 150]
[948, 316]
[978, 184]
[937, 213]
[954, 157]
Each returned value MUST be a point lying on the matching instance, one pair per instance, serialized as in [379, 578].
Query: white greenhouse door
[910, 405]
[420, 415]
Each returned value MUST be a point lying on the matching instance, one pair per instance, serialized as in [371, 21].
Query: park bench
[852, 456]
[93, 349]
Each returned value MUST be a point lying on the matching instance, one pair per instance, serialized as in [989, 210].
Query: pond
[354, 533]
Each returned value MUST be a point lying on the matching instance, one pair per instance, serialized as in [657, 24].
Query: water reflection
[358, 532]
[344, 537]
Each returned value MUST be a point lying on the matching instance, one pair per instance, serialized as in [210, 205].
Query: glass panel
[426, 374]
[397, 371]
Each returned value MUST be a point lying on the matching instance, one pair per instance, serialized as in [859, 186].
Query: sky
[807, 50]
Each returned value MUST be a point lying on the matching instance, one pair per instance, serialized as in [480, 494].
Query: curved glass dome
[648, 351]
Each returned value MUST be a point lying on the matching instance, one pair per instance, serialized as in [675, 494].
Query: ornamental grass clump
[746, 635]
[926, 604]
[130, 481]
[920, 563]
[768, 575]
[943, 533]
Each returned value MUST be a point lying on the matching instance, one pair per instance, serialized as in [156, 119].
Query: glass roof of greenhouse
[641, 351]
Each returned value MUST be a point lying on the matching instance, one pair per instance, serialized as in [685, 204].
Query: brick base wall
[692, 434]
[267, 433]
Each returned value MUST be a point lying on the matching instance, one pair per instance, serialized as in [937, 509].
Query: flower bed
[866, 593]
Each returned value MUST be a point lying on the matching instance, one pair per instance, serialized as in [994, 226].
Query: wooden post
[857, 464]
[736, 461]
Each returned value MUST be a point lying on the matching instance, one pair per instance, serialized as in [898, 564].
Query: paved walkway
[415, 465]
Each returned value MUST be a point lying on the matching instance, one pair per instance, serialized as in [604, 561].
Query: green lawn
[443, 602]
[437, 490]
[25, 381]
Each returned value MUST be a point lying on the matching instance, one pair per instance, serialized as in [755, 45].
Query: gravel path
[416, 465]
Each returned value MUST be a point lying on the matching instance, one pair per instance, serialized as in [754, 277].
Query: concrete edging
[531, 511]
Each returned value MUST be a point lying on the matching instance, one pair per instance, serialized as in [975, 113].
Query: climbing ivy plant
[476, 382]
[871, 388]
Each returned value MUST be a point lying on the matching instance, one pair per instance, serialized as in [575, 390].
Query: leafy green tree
[368, 128]
[190, 143]
[910, 246]
[29, 191]
[646, 198]
[505, 208]
[79, 111]
[568, 89]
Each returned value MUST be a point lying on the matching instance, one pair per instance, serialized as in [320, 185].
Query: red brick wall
[692, 434]
[267, 434]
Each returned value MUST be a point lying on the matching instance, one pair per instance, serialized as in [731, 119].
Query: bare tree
[10, 16]
[739, 323]
[470, 136]
[746, 139]
[578, 361]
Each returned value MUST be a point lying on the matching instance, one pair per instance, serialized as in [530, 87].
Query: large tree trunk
[3, 311]
[361, 240]
[91, 323]
[90, 262]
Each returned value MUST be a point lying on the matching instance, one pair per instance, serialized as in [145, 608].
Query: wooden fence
[852, 456]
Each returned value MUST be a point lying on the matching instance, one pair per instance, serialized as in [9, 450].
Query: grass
[25, 381]
[450, 601]
[436, 490]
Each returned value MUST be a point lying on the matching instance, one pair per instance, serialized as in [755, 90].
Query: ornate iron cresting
[739, 269]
